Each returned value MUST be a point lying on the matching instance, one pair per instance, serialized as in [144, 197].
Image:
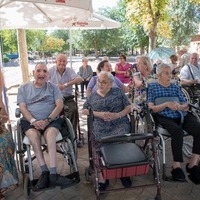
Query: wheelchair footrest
[123, 160]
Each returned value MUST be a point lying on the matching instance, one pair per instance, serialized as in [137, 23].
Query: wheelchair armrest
[125, 138]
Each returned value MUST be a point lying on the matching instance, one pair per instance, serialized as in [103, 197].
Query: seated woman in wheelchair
[168, 114]
[41, 103]
[110, 107]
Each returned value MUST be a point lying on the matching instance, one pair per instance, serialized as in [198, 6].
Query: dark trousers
[84, 83]
[173, 126]
[72, 112]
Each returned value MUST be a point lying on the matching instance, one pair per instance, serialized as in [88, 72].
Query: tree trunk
[152, 40]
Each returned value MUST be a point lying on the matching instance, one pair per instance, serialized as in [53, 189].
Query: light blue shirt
[68, 75]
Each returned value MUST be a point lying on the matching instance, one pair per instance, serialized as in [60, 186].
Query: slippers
[194, 174]
[178, 175]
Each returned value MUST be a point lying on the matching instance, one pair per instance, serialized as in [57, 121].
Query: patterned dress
[114, 101]
[8, 171]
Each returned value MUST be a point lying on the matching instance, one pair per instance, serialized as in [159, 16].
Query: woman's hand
[109, 116]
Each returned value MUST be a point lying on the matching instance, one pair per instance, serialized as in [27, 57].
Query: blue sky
[103, 3]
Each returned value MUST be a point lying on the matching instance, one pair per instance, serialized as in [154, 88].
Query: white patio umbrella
[49, 14]
[33, 14]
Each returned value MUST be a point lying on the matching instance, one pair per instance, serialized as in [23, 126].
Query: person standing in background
[86, 73]
[122, 69]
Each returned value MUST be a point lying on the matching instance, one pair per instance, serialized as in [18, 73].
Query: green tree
[151, 15]
[9, 40]
[62, 34]
[97, 40]
[183, 22]
[51, 44]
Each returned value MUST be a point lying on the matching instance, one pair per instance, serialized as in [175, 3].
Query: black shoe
[194, 173]
[103, 186]
[62, 181]
[178, 174]
[126, 182]
[42, 181]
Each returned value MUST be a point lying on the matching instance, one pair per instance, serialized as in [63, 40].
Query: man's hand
[40, 124]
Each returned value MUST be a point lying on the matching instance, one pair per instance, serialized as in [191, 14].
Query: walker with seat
[122, 156]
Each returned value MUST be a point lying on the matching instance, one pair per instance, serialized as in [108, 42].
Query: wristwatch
[49, 120]
[66, 85]
[32, 121]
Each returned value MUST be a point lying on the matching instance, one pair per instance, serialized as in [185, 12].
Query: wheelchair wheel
[26, 186]
[72, 136]
[187, 94]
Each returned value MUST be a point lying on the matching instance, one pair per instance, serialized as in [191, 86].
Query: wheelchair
[121, 156]
[66, 146]
[144, 121]
[192, 95]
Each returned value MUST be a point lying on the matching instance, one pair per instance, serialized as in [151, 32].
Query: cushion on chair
[123, 155]
[27, 141]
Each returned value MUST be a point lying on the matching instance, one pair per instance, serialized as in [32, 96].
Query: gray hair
[161, 66]
[84, 59]
[108, 74]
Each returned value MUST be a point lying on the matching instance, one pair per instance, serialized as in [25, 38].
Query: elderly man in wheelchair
[190, 79]
[41, 102]
[168, 105]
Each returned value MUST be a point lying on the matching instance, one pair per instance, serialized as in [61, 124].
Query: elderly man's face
[61, 62]
[194, 59]
[40, 74]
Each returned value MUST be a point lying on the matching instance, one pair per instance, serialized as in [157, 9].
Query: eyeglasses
[102, 82]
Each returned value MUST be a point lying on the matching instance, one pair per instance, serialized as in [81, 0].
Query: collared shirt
[68, 75]
[155, 90]
[185, 72]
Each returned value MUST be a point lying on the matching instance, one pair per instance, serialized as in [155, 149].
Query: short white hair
[108, 74]
[162, 66]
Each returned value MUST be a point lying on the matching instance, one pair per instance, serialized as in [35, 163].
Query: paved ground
[85, 191]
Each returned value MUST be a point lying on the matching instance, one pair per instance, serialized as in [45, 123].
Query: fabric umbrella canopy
[27, 14]
[161, 53]
[33, 14]
[48, 14]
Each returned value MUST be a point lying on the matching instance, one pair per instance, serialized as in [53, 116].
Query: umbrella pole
[70, 47]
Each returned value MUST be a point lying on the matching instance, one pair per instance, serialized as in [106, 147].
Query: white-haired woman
[110, 107]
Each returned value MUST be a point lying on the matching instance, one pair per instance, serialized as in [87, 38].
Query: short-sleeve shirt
[40, 102]
[186, 74]
[68, 75]
[86, 73]
[155, 90]
[93, 84]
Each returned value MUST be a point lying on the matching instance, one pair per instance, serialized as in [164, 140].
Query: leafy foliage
[150, 14]
[183, 23]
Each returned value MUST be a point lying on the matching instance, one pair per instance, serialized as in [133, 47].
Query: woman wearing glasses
[122, 69]
[110, 107]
